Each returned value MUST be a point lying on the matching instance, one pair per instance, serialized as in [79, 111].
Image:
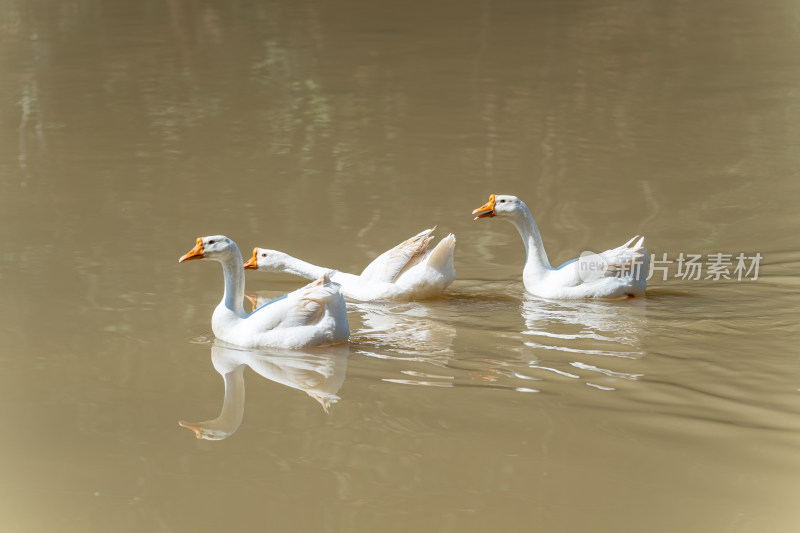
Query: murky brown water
[333, 131]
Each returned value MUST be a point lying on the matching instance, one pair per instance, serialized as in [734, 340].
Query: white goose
[615, 273]
[409, 271]
[313, 315]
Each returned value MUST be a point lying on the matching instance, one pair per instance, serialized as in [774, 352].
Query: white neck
[302, 268]
[230, 417]
[233, 273]
[536, 261]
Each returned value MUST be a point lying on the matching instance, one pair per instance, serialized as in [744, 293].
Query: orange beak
[486, 210]
[252, 263]
[194, 253]
[198, 432]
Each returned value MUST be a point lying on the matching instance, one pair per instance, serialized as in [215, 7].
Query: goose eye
[502, 201]
[264, 255]
[211, 242]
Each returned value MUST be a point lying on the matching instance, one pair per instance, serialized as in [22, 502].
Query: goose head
[499, 205]
[267, 260]
[217, 247]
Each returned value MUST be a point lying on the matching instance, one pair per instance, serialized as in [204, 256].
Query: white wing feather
[391, 263]
[621, 261]
[310, 302]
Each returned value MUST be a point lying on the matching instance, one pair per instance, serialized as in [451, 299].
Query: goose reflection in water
[598, 332]
[319, 373]
[406, 329]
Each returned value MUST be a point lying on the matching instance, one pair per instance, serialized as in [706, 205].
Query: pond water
[333, 131]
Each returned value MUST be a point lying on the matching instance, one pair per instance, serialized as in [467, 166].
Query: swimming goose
[313, 315]
[409, 271]
[615, 273]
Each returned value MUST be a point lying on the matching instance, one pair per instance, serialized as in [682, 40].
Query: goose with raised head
[314, 315]
[615, 273]
[409, 271]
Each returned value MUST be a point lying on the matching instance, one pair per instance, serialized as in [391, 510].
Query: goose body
[615, 273]
[314, 315]
[409, 271]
